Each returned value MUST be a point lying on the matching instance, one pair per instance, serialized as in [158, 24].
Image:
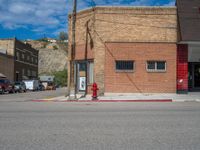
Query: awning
[2, 75]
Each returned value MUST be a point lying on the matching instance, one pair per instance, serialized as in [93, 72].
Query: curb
[105, 101]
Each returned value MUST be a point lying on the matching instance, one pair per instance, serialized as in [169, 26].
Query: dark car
[20, 87]
[41, 87]
[6, 86]
[51, 86]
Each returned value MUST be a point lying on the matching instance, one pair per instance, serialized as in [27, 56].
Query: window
[156, 66]
[29, 73]
[82, 66]
[23, 56]
[34, 73]
[124, 65]
[17, 56]
[90, 72]
[28, 57]
[23, 72]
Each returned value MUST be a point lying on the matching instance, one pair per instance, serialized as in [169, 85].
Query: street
[20, 97]
[26, 125]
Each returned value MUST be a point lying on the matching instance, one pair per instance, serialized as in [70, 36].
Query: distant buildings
[18, 60]
[51, 40]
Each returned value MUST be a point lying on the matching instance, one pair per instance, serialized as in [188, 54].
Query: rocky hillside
[52, 56]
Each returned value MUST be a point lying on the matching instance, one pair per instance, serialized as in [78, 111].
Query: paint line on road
[104, 101]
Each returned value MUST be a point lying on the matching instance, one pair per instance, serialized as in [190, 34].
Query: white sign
[82, 83]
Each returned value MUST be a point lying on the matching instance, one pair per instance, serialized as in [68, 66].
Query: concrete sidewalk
[136, 97]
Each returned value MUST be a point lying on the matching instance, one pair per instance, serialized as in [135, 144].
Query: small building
[6, 63]
[188, 53]
[125, 49]
[19, 60]
[51, 40]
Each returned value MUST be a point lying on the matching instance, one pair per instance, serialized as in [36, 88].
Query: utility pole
[72, 86]
[86, 61]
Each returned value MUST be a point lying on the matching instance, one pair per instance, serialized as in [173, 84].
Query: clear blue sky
[33, 19]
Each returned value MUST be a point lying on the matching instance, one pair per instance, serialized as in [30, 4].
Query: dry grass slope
[52, 56]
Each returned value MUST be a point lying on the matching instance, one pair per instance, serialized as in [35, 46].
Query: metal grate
[124, 65]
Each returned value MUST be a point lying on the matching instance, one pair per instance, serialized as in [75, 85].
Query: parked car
[6, 86]
[32, 85]
[20, 87]
[41, 87]
[51, 86]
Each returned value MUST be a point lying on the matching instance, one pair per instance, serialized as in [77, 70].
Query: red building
[188, 53]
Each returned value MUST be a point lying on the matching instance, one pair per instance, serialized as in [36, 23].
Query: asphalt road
[26, 125]
[21, 97]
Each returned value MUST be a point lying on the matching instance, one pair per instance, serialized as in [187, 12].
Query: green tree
[63, 36]
[60, 78]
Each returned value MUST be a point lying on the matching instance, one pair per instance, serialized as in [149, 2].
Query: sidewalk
[136, 97]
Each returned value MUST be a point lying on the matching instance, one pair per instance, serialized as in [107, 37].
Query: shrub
[60, 78]
[55, 47]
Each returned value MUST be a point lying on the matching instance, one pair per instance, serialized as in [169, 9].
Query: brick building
[129, 49]
[6, 63]
[19, 60]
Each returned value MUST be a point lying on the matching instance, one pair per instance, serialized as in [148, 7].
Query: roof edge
[90, 9]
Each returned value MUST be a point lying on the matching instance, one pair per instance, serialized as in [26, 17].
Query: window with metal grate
[124, 65]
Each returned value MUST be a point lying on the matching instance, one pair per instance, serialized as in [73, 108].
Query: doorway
[194, 76]
[83, 79]
[17, 76]
[81, 76]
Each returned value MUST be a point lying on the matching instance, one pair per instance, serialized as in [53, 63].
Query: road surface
[26, 125]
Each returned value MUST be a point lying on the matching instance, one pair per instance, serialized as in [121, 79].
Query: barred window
[124, 65]
[156, 66]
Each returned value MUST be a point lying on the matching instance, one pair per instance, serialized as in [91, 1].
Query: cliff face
[52, 56]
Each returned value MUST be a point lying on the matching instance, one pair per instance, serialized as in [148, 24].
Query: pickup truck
[6, 86]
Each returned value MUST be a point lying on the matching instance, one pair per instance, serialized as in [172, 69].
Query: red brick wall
[182, 68]
[80, 52]
[7, 66]
[121, 24]
[140, 81]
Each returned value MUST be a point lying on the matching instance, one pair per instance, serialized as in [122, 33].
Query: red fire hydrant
[94, 91]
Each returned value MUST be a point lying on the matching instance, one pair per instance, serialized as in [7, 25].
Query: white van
[32, 85]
